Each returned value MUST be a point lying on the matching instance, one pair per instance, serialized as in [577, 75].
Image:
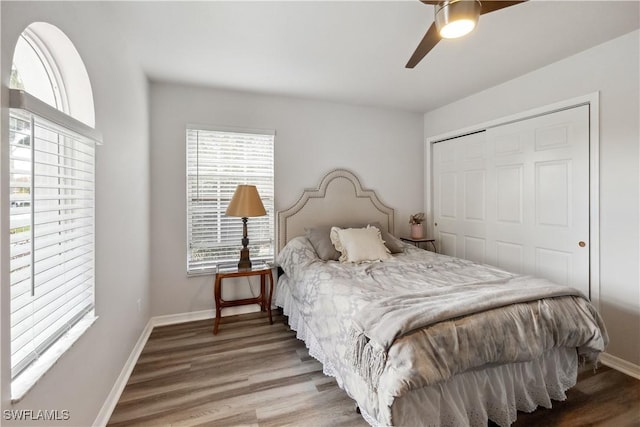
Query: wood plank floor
[253, 373]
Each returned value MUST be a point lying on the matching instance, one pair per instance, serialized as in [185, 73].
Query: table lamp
[245, 203]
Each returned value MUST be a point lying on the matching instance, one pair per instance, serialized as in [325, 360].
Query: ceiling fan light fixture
[456, 18]
[458, 28]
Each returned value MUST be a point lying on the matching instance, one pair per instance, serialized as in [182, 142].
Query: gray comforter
[380, 323]
[467, 319]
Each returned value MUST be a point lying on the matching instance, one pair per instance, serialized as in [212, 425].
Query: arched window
[52, 193]
[36, 72]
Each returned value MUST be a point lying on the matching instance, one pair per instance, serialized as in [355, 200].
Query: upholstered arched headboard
[339, 199]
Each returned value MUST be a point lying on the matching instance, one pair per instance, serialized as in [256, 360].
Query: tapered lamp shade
[246, 202]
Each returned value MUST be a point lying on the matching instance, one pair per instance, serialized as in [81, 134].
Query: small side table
[226, 271]
[418, 242]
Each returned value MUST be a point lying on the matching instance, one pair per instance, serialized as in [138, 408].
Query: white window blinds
[217, 161]
[51, 233]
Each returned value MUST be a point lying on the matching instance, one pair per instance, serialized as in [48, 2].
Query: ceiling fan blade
[430, 39]
[492, 6]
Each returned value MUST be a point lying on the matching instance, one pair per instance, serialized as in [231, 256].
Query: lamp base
[245, 262]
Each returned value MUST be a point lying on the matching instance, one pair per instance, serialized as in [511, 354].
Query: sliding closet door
[517, 196]
[460, 196]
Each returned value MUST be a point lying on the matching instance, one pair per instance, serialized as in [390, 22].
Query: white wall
[383, 147]
[613, 70]
[82, 378]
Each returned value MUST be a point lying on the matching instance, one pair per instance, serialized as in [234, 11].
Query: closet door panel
[517, 196]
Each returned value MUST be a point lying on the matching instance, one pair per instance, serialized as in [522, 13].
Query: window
[51, 213]
[217, 161]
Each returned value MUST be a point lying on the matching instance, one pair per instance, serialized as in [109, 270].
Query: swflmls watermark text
[36, 415]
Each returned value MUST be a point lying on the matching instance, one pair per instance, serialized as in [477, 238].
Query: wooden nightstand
[418, 242]
[226, 271]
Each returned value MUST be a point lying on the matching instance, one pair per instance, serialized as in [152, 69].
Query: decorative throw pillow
[359, 244]
[394, 244]
[321, 242]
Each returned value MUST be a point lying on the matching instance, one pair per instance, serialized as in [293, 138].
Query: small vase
[416, 231]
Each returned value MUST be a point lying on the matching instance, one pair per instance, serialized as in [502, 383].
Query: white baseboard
[114, 395]
[620, 365]
[174, 319]
[171, 319]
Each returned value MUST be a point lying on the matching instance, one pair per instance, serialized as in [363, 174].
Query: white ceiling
[355, 52]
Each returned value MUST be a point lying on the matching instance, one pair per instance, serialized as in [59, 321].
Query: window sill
[211, 271]
[24, 382]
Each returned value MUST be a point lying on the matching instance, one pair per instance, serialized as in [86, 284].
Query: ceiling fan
[454, 18]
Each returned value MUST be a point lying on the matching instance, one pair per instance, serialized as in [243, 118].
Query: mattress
[322, 299]
[468, 399]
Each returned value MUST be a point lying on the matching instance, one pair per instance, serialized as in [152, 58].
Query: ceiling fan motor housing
[456, 13]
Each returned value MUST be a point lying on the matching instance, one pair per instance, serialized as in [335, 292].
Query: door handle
[582, 244]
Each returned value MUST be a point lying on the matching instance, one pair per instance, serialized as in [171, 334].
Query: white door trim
[593, 100]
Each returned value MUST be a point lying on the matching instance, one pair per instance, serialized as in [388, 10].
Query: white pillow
[359, 244]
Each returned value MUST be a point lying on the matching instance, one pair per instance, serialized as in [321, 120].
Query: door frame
[593, 101]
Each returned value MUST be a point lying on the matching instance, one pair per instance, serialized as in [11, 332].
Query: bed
[419, 338]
